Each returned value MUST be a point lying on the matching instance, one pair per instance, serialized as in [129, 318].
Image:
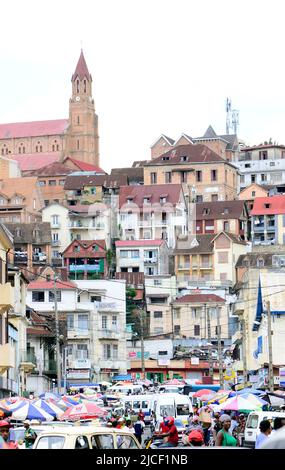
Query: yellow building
[7, 351]
[204, 175]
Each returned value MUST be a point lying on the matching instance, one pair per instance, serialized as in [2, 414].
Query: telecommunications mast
[232, 120]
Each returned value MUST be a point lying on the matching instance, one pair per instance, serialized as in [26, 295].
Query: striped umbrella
[254, 399]
[49, 396]
[29, 411]
[238, 403]
[49, 407]
[84, 411]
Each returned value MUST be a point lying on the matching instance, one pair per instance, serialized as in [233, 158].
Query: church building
[39, 143]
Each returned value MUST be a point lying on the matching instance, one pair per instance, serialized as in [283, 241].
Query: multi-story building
[261, 164]
[195, 314]
[90, 222]
[32, 246]
[227, 145]
[7, 300]
[160, 292]
[152, 212]
[9, 168]
[207, 260]
[260, 276]
[57, 216]
[76, 137]
[86, 259]
[227, 216]
[20, 200]
[51, 180]
[204, 175]
[252, 191]
[268, 221]
[150, 257]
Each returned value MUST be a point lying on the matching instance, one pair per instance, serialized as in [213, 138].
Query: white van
[170, 388]
[172, 404]
[126, 389]
[252, 424]
[140, 402]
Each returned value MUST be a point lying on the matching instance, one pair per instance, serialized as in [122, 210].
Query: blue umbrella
[52, 409]
[50, 395]
[29, 411]
[250, 390]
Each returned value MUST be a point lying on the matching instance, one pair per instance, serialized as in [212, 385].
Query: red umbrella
[83, 411]
[203, 391]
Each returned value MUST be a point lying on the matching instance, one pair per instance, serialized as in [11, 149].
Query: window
[158, 330]
[70, 321]
[263, 155]
[38, 296]
[51, 296]
[199, 198]
[162, 199]
[81, 442]
[95, 298]
[77, 86]
[183, 176]
[146, 200]
[46, 202]
[195, 313]
[168, 177]
[199, 176]
[77, 144]
[51, 442]
[184, 158]
[214, 197]
[42, 183]
[206, 211]
[226, 226]
[214, 175]
[104, 322]
[114, 321]
[107, 351]
[82, 351]
[177, 329]
[253, 193]
[157, 282]
[78, 120]
[267, 205]
[196, 330]
[242, 179]
[55, 219]
[102, 441]
[253, 178]
[52, 183]
[247, 165]
[223, 257]
[157, 314]
[115, 351]
[61, 182]
[260, 263]
[83, 322]
[263, 177]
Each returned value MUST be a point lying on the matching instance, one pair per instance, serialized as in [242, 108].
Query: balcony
[49, 367]
[106, 306]
[258, 228]
[146, 223]
[7, 357]
[56, 261]
[77, 333]
[20, 257]
[78, 225]
[150, 260]
[206, 266]
[7, 298]
[55, 243]
[55, 225]
[271, 228]
[109, 334]
[113, 363]
[78, 363]
[39, 258]
[28, 361]
[85, 268]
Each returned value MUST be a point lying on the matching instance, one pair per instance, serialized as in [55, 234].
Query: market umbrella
[254, 399]
[238, 403]
[70, 400]
[50, 396]
[174, 382]
[250, 390]
[29, 411]
[83, 411]
[200, 393]
[49, 407]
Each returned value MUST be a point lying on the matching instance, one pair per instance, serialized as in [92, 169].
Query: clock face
[77, 98]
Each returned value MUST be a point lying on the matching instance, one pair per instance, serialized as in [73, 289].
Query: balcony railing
[77, 333]
[206, 266]
[55, 225]
[39, 258]
[106, 306]
[76, 225]
[109, 334]
[85, 267]
[184, 266]
[28, 357]
[150, 260]
[56, 242]
[49, 367]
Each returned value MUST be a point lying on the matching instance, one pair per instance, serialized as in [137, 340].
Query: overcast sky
[158, 66]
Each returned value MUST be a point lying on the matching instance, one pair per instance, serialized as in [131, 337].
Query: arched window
[78, 120]
[24, 150]
[53, 148]
[260, 263]
[84, 86]
[41, 148]
[77, 86]
[20, 149]
[7, 151]
[57, 147]
[2, 151]
[77, 144]
[36, 148]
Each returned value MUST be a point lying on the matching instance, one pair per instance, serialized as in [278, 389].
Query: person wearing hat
[30, 435]
[224, 438]
[196, 438]
[5, 442]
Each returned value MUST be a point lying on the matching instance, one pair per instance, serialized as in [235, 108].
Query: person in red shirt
[4, 433]
[171, 434]
[163, 428]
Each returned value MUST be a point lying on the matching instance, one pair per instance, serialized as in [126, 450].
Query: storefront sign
[78, 374]
[282, 377]
[163, 362]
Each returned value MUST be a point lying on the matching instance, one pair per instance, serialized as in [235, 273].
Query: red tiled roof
[220, 210]
[81, 70]
[33, 129]
[35, 161]
[156, 191]
[139, 242]
[197, 298]
[276, 205]
[83, 166]
[194, 153]
[63, 285]
[53, 169]
[86, 246]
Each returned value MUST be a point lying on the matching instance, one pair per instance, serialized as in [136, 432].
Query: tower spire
[81, 70]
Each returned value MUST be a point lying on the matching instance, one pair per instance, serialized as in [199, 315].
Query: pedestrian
[238, 431]
[5, 442]
[141, 414]
[217, 425]
[139, 429]
[224, 437]
[196, 439]
[265, 431]
[30, 435]
[130, 426]
[278, 424]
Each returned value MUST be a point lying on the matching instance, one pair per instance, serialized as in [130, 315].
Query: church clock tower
[82, 139]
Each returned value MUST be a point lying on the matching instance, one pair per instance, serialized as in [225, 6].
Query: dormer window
[77, 86]
[76, 248]
[162, 199]
[36, 233]
[129, 200]
[206, 211]
[226, 210]
[18, 232]
[184, 158]
[260, 263]
[267, 205]
[165, 158]
[146, 200]
[84, 83]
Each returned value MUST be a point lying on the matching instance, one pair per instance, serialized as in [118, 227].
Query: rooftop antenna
[235, 120]
[228, 111]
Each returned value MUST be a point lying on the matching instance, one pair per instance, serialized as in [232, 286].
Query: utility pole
[244, 361]
[58, 362]
[220, 356]
[172, 320]
[270, 355]
[141, 317]
[211, 370]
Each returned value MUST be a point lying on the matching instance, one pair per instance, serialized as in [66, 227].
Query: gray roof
[27, 234]
[251, 259]
[183, 245]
